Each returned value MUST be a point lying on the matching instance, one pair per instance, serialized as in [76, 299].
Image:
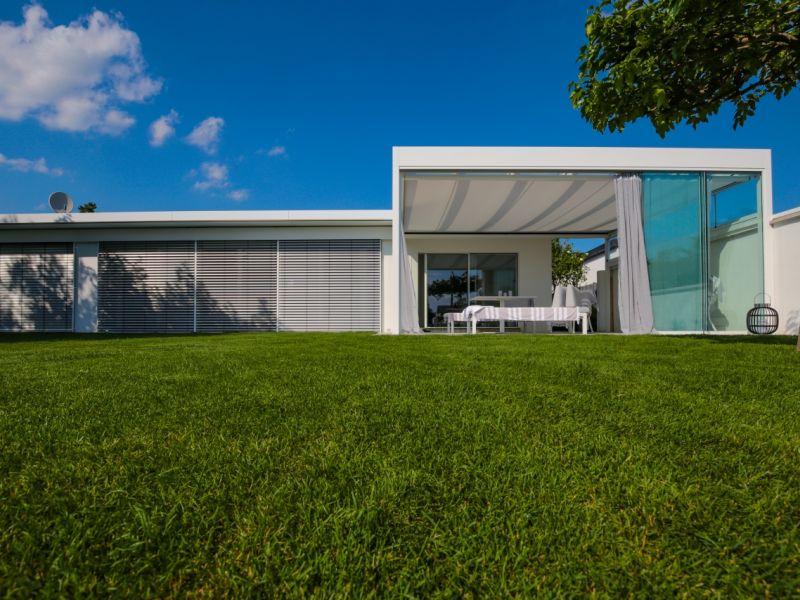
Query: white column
[769, 242]
[392, 324]
[85, 303]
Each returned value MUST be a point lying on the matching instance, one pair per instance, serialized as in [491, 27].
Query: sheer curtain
[409, 317]
[635, 304]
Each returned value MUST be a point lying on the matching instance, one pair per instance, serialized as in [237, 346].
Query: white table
[502, 300]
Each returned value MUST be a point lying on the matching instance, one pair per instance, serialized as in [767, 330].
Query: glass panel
[447, 286]
[731, 196]
[491, 274]
[673, 226]
[735, 251]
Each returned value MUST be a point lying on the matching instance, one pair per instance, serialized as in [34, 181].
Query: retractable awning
[484, 202]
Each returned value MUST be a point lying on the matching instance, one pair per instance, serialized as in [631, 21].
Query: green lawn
[348, 464]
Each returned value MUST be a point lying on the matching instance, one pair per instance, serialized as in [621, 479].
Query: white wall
[593, 265]
[735, 257]
[786, 270]
[388, 288]
[534, 259]
[87, 241]
[85, 297]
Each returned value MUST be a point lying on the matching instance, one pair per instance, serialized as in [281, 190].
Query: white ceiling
[508, 203]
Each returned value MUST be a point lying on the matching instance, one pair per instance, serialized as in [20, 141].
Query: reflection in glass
[448, 289]
[735, 252]
[447, 286]
[492, 274]
[704, 249]
[673, 224]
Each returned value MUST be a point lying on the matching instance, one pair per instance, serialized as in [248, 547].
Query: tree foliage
[568, 268]
[88, 207]
[676, 60]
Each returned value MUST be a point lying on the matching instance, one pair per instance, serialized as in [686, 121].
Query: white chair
[584, 300]
[559, 301]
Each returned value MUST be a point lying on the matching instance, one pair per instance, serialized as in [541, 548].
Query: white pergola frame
[573, 159]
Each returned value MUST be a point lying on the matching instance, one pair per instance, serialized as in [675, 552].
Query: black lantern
[762, 319]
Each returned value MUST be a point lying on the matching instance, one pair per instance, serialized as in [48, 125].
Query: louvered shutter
[236, 285]
[329, 285]
[36, 287]
[145, 286]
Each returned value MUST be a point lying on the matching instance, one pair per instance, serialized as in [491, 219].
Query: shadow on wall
[793, 322]
[131, 299]
[86, 302]
[36, 294]
[137, 298]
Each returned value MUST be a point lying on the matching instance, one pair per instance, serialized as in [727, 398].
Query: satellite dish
[60, 202]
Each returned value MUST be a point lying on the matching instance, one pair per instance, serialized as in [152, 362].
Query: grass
[357, 465]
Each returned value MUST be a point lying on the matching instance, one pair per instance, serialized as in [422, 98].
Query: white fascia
[207, 218]
[568, 159]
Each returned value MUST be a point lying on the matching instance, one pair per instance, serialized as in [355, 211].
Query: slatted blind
[145, 286]
[36, 287]
[329, 285]
[237, 285]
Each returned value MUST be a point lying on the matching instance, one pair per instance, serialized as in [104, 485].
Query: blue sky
[305, 100]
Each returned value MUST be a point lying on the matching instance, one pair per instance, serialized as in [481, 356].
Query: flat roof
[580, 158]
[205, 218]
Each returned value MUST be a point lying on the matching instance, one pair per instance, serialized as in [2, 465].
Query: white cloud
[72, 77]
[239, 195]
[163, 128]
[276, 151]
[213, 175]
[26, 165]
[115, 122]
[206, 134]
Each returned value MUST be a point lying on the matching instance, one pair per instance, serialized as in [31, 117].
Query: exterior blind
[330, 285]
[36, 287]
[145, 286]
[237, 285]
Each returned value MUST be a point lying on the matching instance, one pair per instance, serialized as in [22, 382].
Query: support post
[85, 298]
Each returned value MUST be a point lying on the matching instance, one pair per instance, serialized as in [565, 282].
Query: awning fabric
[509, 203]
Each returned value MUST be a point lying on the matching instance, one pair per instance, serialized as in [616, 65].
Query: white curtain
[635, 304]
[409, 317]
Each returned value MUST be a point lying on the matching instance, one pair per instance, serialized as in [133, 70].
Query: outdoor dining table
[502, 300]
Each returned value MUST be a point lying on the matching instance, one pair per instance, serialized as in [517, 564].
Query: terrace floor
[347, 464]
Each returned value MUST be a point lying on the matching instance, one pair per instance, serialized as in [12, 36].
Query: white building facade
[464, 223]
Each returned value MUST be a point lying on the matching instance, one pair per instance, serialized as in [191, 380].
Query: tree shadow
[793, 322]
[36, 287]
[135, 293]
[132, 299]
[217, 314]
[86, 299]
[236, 286]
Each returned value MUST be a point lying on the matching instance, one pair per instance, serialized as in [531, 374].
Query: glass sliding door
[450, 282]
[735, 249]
[492, 274]
[673, 219]
[446, 286]
[703, 239]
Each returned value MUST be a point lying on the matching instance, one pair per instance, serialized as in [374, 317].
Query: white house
[695, 231]
[594, 263]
